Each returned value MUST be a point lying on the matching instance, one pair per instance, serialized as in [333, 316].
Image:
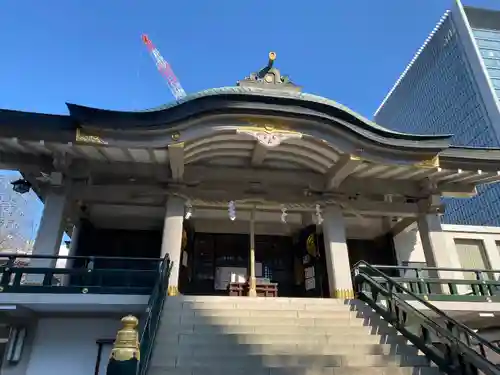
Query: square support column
[172, 240]
[336, 254]
[73, 246]
[49, 235]
[439, 250]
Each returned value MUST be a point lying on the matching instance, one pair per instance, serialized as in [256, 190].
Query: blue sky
[90, 52]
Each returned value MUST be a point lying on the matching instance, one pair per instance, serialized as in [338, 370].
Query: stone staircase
[279, 336]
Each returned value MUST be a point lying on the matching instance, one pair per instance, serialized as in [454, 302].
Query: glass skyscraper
[452, 86]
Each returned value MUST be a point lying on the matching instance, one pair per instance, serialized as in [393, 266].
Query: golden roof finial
[269, 77]
[126, 345]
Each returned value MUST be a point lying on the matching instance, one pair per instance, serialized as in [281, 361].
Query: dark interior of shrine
[206, 256]
[279, 259]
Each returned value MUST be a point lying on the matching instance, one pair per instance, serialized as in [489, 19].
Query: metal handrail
[425, 268]
[91, 274]
[35, 256]
[430, 306]
[151, 324]
[487, 366]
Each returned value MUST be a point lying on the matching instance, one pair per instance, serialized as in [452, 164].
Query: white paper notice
[310, 284]
[238, 278]
[258, 269]
[224, 275]
[309, 272]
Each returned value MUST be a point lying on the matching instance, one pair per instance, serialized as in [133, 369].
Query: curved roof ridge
[415, 57]
[280, 94]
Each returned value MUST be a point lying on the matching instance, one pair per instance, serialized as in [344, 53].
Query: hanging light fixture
[319, 217]
[232, 210]
[189, 210]
[283, 214]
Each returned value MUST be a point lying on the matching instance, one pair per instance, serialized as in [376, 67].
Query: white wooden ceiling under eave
[114, 216]
[91, 152]
[230, 149]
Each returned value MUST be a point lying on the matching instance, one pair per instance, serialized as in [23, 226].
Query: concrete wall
[68, 345]
[409, 247]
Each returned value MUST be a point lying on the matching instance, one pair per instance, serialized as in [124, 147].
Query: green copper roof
[278, 94]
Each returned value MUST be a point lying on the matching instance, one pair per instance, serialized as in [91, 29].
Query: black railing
[451, 345]
[154, 310]
[476, 286]
[98, 275]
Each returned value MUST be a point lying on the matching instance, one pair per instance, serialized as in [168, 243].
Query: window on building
[3, 348]
[472, 255]
[104, 347]
[497, 242]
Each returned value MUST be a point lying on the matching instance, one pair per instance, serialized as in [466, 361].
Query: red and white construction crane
[165, 69]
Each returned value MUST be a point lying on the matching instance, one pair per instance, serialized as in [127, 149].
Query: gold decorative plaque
[85, 138]
[269, 125]
[431, 163]
[311, 245]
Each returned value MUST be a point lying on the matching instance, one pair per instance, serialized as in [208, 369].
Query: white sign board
[225, 275]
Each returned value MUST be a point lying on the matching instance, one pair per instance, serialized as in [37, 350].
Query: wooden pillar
[337, 254]
[252, 292]
[172, 240]
[439, 251]
[50, 233]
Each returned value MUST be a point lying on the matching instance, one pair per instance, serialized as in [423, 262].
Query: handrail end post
[125, 355]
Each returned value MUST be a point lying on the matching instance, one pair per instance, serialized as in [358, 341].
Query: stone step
[229, 360]
[169, 329]
[232, 362]
[261, 321]
[260, 300]
[264, 313]
[274, 338]
[214, 335]
[201, 350]
[254, 306]
[160, 370]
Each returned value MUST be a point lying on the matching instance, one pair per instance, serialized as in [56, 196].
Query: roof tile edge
[415, 57]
